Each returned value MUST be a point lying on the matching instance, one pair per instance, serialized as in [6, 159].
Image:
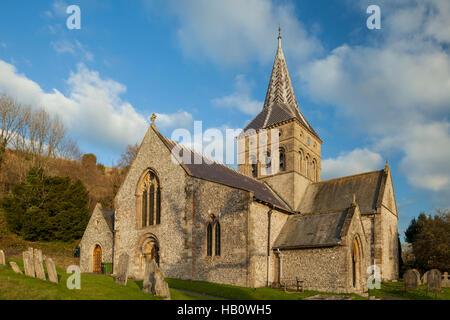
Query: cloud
[235, 32]
[180, 119]
[398, 88]
[240, 98]
[354, 162]
[93, 109]
[74, 48]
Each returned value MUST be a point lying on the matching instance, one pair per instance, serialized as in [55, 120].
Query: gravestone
[2, 258]
[424, 277]
[434, 281]
[51, 270]
[445, 280]
[38, 264]
[122, 270]
[28, 263]
[411, 279]
[154, 282]
[15, 267]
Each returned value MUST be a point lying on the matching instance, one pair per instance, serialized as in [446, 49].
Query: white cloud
[397, 89]
[180, 119]
[74, 48]
[234, 31]
[241, 98]
[354, 162]
[93, 109]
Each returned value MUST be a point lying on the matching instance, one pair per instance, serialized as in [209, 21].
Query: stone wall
[97, 233]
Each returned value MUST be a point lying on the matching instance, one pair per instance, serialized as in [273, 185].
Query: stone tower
[297, 160]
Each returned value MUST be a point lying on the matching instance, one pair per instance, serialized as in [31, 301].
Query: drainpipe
[269, 215]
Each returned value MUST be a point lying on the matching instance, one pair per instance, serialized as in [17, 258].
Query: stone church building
[212, 223]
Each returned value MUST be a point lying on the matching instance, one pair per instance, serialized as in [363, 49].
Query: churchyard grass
[243, 293]
[395, 289]
[93, 287]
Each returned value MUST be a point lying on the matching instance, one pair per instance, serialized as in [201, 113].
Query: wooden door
[98, 259]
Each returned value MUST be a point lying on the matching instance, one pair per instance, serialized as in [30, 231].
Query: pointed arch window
[217, 239]
[254, 166]
[213, 239]
[209, 239]
[301, 160]
[306, 166]
[150, 200]
[282, 160]
[314, 169]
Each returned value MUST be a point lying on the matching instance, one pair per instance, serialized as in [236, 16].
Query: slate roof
[336, 194]
[280, 103]
[312, 231]
[204, 168]
[109, 216]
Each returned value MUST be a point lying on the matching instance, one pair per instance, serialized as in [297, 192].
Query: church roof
[314, 230]
[280, 104]
[109, 216]
[205, 168]
[336, 194]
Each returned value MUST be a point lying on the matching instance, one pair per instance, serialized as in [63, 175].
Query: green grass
[395, 289]
[243, 293]
[93, 287]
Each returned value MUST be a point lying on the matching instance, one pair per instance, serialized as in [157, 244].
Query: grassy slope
[243, 293]
[395, 289]
[93, 287]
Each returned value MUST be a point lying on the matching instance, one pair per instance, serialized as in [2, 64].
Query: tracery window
[213, 238]
[282, 160]
[151, 200]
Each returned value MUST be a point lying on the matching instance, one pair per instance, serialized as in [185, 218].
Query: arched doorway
[356, 263]
[97, 268]
[150, 250]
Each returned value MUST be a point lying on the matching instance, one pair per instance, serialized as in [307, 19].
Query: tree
[415, 227]
[44, 208]
[127, 158]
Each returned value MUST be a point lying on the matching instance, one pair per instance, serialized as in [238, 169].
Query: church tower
[298, 160]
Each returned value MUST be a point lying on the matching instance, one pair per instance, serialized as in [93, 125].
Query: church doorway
[97, 259]
[150, 250]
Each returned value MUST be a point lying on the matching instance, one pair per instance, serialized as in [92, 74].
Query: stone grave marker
[2, 258]
[28, 263]
[39, 264]
[434, 281]
[445, 280]
[15, 267]
[154, 282]
[51, 270]
[411, 279]
[424, 277]
[122, 270]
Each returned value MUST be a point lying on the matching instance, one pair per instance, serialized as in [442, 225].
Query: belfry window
[150, 200]
[254, 167]
[282, 160]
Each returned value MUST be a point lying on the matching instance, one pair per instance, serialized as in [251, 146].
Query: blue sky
[370, 94]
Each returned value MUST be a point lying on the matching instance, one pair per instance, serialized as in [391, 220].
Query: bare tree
[12, 120]
[127, 158]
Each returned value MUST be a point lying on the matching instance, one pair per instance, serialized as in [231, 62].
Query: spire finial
[279, 36]
[354, 200]
[387, 162]
[152, 119]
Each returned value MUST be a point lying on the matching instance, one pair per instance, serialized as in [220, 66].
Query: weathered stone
[424, 277]
[122, 270]
[2, 258]
[15, 267]
[154, 282]
[51, 270]
[28, 263]
[445, 280]
[434, 280]
[38, 264]
[411, 279]
[161, 286]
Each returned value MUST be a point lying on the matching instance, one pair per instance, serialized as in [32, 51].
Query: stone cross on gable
[152, 119]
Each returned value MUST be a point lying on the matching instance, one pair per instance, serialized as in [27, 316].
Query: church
[208, 222]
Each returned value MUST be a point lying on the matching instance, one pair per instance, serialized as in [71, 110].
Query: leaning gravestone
[424, 277]
[51, 270]
[122, 270]
[154, 282]
[39, 264]
[15, 267]
[434, 281]
[2, 258]
[411, 279]
[28, 263]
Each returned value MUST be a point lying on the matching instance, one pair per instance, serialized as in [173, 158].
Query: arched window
[254, 166]
[268, 163]
[150, 200]
[209, 239]
[217, 239]
[306, 166]
[301, 160]
[314, 170]
[282, 160]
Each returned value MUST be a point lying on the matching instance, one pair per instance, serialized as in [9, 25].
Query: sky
[370, 94]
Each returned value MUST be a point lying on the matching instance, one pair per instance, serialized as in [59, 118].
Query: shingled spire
[280, 104]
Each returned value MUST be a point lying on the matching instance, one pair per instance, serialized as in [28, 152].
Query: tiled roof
[337, 193]
[109, 216]
[202, 167]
